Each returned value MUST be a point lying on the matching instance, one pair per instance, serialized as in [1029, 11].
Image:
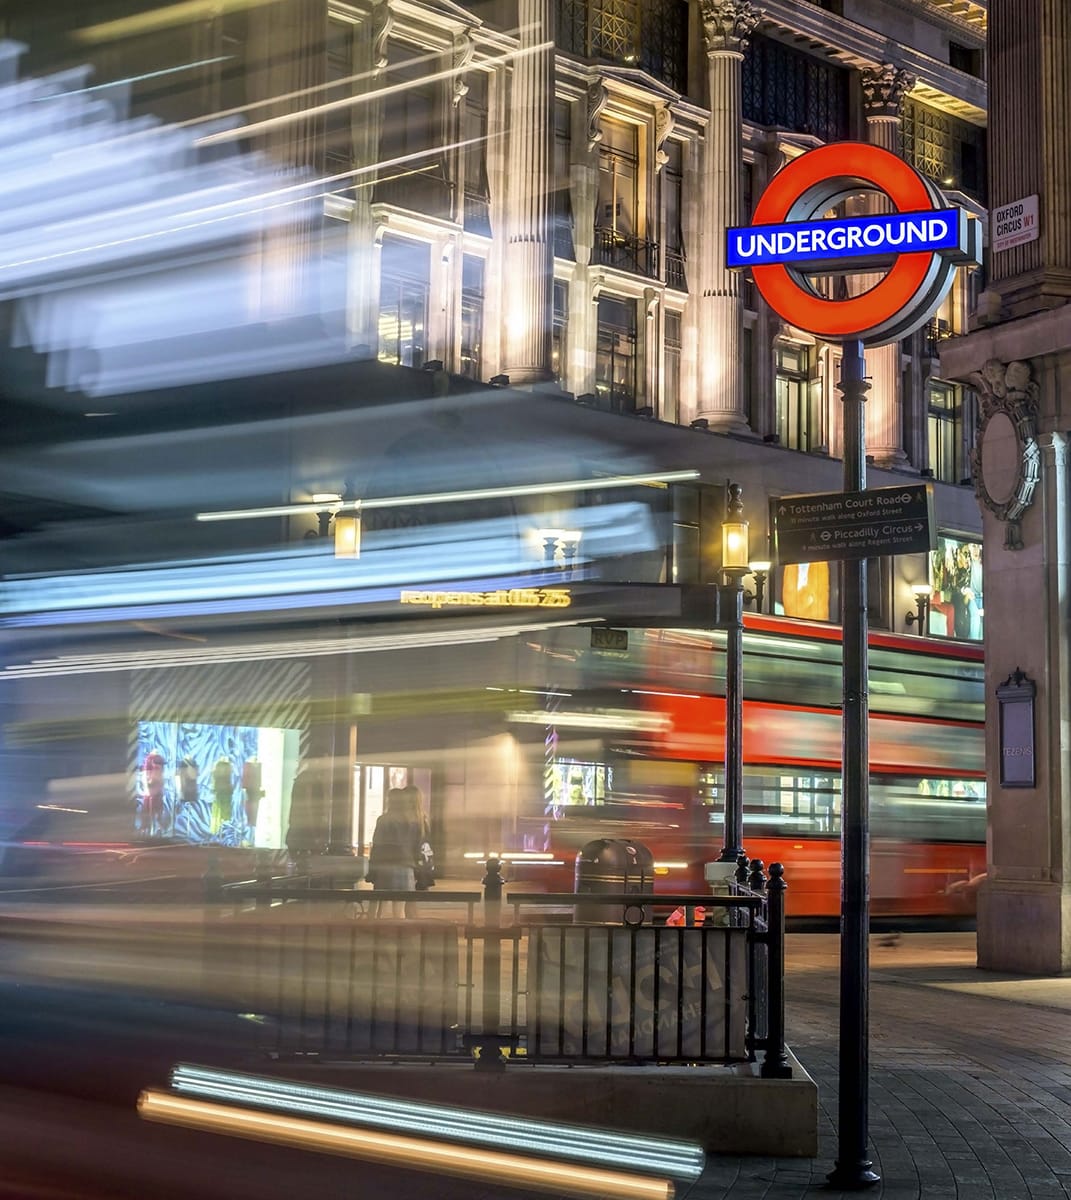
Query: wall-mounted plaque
[1015, 696]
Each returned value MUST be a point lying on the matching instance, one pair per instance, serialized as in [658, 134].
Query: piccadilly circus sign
[919, 244]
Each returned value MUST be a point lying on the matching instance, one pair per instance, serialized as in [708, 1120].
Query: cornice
[854, 45]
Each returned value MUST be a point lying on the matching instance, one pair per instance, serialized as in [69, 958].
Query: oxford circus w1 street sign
[920, 244]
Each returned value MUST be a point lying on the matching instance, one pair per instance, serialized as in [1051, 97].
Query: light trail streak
[415, 1153]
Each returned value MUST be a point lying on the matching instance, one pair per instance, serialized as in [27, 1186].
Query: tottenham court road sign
[921, 243]
[838, 525]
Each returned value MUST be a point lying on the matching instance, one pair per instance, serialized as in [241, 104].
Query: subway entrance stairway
[970, 1087]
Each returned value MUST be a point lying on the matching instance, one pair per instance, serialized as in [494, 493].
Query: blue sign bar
[877, 237]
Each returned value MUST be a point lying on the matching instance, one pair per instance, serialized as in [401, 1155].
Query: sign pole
[853, 1169]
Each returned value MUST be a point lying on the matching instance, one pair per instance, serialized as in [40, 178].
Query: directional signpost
[841, 525]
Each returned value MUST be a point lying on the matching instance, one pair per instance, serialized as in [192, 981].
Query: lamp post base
[853, 1177]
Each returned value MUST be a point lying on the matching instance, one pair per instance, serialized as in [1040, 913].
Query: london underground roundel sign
[920, 243]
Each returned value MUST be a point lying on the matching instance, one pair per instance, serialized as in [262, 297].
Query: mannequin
[222, 793]
[189, 787]
[152, 799]
[251, 796]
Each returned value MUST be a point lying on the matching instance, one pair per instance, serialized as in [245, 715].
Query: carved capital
[596, 101]
[727, 24]
[884, 89]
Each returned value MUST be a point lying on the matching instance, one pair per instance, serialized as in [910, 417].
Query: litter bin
[612, 865]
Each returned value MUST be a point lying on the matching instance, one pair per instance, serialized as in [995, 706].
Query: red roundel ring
[800, 184]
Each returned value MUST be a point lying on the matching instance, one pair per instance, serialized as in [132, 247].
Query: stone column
[1024, 905]
[288, 252]
[884, 88]
[370, 59]
[727, 25]
[529, 265]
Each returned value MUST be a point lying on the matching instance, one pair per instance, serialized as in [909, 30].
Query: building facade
[527, 202]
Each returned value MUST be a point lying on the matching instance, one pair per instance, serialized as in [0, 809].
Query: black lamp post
[734, 566]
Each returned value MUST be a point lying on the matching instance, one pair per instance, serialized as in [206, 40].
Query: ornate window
[477, 210]
[672, 206]
[950, 151]
[649, 34]
[471, 315]
[412, 132]
[559, 324]
[671, 371]
[944, 428]
[563, 206]
[403, 302]
[788, 88]
[615, 354]
[799, 417]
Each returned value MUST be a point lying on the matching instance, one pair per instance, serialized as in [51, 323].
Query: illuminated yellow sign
[502, 598]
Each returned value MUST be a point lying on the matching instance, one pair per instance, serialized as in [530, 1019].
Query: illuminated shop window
[804, 591]
[403, 302]
[957, 605]
[471, 316]
[798, 397]
[944, 429]
[615, 355]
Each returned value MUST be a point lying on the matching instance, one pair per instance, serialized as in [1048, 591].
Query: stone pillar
[529, 266]
[884, 88]
[1030, 152]
[369, 62]
[1024, 905]
[295, 145]
[727, 25]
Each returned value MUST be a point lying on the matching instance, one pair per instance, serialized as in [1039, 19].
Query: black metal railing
[933, 334]
[675, 272]
[329, 975]
[625, 252]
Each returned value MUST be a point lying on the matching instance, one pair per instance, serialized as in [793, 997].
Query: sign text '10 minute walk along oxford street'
[838, 525]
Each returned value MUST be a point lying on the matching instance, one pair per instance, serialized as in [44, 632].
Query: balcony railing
[933, 334]
[626, 253]
[675, 276]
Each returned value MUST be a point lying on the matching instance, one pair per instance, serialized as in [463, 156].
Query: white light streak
[497, 493]
[258, 127]
[608, 719]
[581, 1144]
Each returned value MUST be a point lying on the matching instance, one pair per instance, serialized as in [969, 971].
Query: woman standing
[395, 849]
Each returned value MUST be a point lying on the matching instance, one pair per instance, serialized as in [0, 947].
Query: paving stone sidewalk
[970, 1083]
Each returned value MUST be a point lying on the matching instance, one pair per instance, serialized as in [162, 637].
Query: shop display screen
[222, 784]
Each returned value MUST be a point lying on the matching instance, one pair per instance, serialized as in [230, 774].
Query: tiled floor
[970, 1079]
